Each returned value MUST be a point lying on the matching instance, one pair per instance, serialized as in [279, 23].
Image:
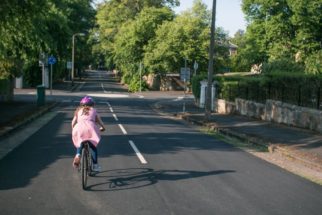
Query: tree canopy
[29, 28]
[123, 33]
[156, 36]
[282, 29]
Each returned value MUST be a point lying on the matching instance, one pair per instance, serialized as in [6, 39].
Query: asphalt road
[151, 164]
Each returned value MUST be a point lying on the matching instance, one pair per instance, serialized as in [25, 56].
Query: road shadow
[134, 178]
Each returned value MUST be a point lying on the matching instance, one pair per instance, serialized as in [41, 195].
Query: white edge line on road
[137, 152]
[122, 128]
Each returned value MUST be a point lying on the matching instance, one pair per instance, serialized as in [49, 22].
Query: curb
[43, 110]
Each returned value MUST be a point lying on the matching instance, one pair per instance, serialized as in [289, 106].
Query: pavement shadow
[133, 178]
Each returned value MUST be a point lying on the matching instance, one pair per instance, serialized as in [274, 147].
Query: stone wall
[293, 115]
[153, 81]
[164, 83]
[250, 109]
[274, 111]
[225, 107]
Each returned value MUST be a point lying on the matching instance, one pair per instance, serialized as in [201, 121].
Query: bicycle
[86, 164]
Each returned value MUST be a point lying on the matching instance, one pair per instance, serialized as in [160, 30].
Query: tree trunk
[6, 90]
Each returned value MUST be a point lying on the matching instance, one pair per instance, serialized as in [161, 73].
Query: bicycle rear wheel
[89, 163]
[84, 167]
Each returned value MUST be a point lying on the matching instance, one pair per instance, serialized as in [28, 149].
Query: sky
[229, 14]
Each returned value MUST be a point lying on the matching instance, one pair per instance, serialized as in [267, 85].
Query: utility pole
[211, 63]
[73, 54]
[140, 77]
[73, 47]
[185, 86]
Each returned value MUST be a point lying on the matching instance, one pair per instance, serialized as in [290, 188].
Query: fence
[305, 93]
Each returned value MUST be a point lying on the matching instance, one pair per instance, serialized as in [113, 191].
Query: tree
[283, 28]
[307, 23]
[28, 28]
[185, 38]
[238, 37]
[134, 35]
[111, 16]
[18, 34]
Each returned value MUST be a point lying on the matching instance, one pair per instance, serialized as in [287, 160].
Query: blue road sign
[52, 60]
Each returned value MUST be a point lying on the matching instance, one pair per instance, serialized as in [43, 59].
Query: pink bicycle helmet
[87, 101]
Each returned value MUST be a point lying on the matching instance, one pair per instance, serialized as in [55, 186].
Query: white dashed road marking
[136, 150]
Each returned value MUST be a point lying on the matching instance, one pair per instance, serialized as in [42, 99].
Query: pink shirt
[85, 128]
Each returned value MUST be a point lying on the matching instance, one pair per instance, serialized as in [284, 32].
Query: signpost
[43, 63]
[69, 67]
[51, 60]
[184, 76]
[195, 67]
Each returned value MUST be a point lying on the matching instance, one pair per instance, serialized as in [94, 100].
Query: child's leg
[94, 153]
[77, 157]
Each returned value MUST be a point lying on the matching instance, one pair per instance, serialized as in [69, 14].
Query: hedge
[294, 88]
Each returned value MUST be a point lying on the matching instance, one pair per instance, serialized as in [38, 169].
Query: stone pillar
[213, 95]
[202, 100]
[19, 82]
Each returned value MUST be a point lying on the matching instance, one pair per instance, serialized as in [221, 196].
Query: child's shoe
[96, 168]
[76, 161]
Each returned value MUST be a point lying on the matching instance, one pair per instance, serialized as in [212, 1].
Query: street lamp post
[73, 53]
[211, 63]
[141, 77]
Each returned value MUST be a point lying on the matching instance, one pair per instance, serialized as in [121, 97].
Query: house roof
[231, 45]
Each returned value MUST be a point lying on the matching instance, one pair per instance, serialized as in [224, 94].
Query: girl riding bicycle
[85, 128]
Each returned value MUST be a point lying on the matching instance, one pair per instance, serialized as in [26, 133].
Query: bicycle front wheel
[84, 168]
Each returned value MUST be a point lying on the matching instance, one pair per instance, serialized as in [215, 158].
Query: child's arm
[74, 121]
[100, 122]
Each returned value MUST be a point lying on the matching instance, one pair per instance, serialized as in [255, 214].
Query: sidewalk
[299, 145]
[24, 108]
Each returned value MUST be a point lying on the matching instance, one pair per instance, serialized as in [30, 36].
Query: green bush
[228, 90]
[32, 75]
[195, 81]
[282, 65]
[134, 85]
[313, 63]
[294, 88]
